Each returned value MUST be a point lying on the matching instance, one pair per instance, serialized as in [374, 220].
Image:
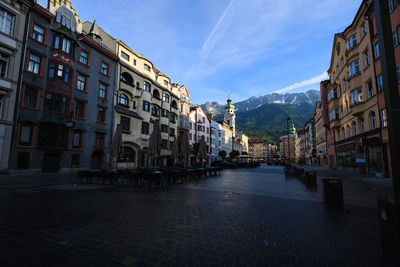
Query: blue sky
[246, 47]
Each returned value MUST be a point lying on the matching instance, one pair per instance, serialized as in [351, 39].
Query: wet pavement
[253, 217]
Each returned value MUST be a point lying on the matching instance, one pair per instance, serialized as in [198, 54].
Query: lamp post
[288, 137]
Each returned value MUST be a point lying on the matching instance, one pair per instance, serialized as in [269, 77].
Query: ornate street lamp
[288, 137]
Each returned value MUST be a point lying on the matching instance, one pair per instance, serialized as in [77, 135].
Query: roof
[127, 112]
[257, 140]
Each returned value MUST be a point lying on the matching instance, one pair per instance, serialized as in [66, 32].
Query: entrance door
[51, 162]
[97, 160]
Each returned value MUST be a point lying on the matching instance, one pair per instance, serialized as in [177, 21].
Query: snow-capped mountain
[311, 96]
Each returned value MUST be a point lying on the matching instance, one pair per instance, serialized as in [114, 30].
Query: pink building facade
[330, 133]
[199, 125]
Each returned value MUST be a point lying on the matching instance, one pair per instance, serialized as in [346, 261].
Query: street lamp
[288, 136]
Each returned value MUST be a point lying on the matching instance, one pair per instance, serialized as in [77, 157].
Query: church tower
[230, 116]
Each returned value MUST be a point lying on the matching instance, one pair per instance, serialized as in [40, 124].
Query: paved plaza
[245, 217]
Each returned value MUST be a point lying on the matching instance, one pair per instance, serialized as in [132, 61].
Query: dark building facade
[64, 115]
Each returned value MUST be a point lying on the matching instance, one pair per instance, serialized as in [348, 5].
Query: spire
[292, 129]
[94, 31]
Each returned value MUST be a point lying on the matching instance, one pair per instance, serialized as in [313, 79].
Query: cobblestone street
[248, 217]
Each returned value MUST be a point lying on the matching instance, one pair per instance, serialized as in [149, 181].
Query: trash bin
[311, 179]
[333, 191]
[389, 225]
[299, 172]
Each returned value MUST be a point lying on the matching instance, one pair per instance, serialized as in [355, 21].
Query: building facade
[64, 115]
[320, 136]
[352, 98]
[13, 31]
[258, 149]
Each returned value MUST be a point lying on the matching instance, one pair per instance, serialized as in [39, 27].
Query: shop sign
[360, 160]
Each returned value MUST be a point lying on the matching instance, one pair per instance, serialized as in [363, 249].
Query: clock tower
[230, 116]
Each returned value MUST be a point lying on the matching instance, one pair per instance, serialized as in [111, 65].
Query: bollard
[333, 191]
[311, 179]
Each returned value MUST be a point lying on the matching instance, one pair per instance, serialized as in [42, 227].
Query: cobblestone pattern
[182, 227]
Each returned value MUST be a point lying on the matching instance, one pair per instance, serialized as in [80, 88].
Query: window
[84, 57]
[125, 123]
[154, 111]
[332, 94]
[145, 127]
[174, 104]
[31, 97]
[342, 63]
[134, 62]
[172, 118]
[75, 161]
[370, 89]
[333, 115]
[366, 59]
[190, 125]
[101, 114]
[127, 155]
[199, 128]
[146, 106]
[351, 42]
[362, 128]
[104, 68]
[171, 131]
[147, 87]
[165, 113]
[26, 134]
[127, 78]
[164, 144]
[77, 139]
[165, 82]
[146, 67]
[344, 86]
[383, 117]
[34, 63]
[6, 22]
[395, 39]
[99, 142]
[156, 94]
[80, 109]
[372, 120]
[66, 18]
[376, 51]
[38, 33]
[343, 133]
[64, 44]
[102, 91]
[348, 132]
[125, 55]
[3, 65]
[363, 30]
[354, 68]
[354, 125]
[123, 99]
[59, 72]
[398, 73]
[164, 128]
[379, 82]
[56, 102]
[356, 96]
[81, 83]
[166, 98]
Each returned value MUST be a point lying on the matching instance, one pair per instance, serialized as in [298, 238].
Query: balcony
[358, 109]
[335, 124]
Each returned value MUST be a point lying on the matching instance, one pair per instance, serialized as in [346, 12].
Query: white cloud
[312, 80]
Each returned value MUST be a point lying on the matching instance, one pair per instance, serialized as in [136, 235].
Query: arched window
[127, 155]
[174, 104]
[354, 126]
[154, 111]
[343, 133]
[23, 160]
[362, 128]
[156, 94]
[348, 131]
[127, 78]
[123, 99]
[372, 120]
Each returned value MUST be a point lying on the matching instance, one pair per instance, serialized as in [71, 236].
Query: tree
[195, 149]
[244, 153]
[222, 154]
[234, 154]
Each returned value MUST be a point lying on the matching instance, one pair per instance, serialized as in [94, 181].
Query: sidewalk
[32, 180]
[358, 189]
